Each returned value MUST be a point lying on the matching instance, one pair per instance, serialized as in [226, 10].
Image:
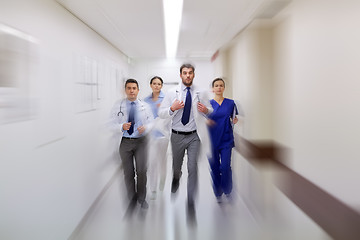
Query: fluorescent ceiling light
[172, 19]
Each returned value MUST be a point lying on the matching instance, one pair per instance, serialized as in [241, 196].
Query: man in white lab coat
[188, 107]
[133, 118]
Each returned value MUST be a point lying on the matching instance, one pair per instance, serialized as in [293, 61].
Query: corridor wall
[297, 78]
[59, 80]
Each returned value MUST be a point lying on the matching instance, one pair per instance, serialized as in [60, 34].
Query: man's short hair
[187, 65]
[131, 80]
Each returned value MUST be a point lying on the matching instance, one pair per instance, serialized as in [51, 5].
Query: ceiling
[136, 27]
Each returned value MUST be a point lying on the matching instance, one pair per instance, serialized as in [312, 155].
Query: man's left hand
[202, 108]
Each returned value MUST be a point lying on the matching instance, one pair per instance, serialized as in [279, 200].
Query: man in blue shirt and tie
[188, 107]
[133, 117]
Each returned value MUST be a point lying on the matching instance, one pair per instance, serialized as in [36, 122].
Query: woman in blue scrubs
[222, 139]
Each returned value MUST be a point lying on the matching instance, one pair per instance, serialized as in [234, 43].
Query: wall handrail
[335, 217]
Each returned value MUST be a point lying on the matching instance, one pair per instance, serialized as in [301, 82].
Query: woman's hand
[235, 120]
[210, 122]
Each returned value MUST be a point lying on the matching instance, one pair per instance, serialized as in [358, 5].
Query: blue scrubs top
[155, 108]
[221, 133]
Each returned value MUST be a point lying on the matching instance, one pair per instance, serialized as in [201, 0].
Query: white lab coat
[119, 116]
[200, 118]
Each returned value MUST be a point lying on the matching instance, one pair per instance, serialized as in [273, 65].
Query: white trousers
[157, 162]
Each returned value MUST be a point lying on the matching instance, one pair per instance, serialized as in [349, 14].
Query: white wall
[169, 70]
[55, 160]
[249, 72]
[325, 92]
[311, 97]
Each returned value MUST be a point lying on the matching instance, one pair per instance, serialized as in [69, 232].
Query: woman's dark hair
[157, 77]
[130, 80]
[217, 79]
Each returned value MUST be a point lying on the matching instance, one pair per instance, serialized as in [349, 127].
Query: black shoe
[174, 185]
[131, 207]
[133, 202]
[144, 205]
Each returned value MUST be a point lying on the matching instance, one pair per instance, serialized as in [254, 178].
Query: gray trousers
[134, 151]
[191, 143]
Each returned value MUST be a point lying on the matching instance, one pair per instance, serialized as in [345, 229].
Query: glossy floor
[166, 217]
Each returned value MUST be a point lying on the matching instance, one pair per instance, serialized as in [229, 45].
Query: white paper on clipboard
[236, 111]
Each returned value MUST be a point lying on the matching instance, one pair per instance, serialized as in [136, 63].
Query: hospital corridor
[100, 98]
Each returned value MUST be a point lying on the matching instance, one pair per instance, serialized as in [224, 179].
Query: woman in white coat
[159, 139]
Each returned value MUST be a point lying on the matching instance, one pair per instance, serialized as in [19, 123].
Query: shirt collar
[161, 95]
[183, 87]
[129, 102]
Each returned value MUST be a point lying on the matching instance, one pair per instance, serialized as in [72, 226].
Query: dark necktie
[132, 118]
[187, 108]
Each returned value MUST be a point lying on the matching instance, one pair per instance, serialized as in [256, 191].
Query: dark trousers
[221, 173]
[133, 153]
